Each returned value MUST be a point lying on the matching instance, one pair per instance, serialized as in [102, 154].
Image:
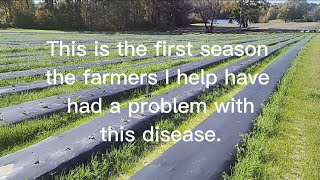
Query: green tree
[6, 5]
[95, 14]
[293, 10]
[245, 11]
[284, 13]
[316, 14]
[273, 12]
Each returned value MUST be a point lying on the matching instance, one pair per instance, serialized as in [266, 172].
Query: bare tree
[208, 11]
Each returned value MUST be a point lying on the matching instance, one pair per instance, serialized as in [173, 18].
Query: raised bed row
[40, 85]
[25, 54]
[76, 146]
[47, 53]
[42, 71]
[111, 38]
[50, 62]
[204, 160]
[18, 88]
[53, 104]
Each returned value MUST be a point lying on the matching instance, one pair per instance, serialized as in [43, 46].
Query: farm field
[272, 26]
[40, 139]
[278, 24]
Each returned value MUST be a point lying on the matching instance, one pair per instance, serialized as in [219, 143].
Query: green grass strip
[284, 142]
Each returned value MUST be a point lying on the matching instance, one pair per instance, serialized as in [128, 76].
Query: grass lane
[284, 143]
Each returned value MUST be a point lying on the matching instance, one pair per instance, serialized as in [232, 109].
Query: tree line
[94, 14]
[147, 14]
[294, 10]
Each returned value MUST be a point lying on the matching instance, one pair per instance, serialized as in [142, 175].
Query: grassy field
[124, 161]
[272, 26]
[278, 24]
[16, 137]
[284, 143]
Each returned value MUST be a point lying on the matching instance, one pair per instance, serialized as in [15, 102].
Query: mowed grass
[284, 143]
[274, 24]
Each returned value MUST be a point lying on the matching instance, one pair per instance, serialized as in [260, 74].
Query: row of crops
[40, 139]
